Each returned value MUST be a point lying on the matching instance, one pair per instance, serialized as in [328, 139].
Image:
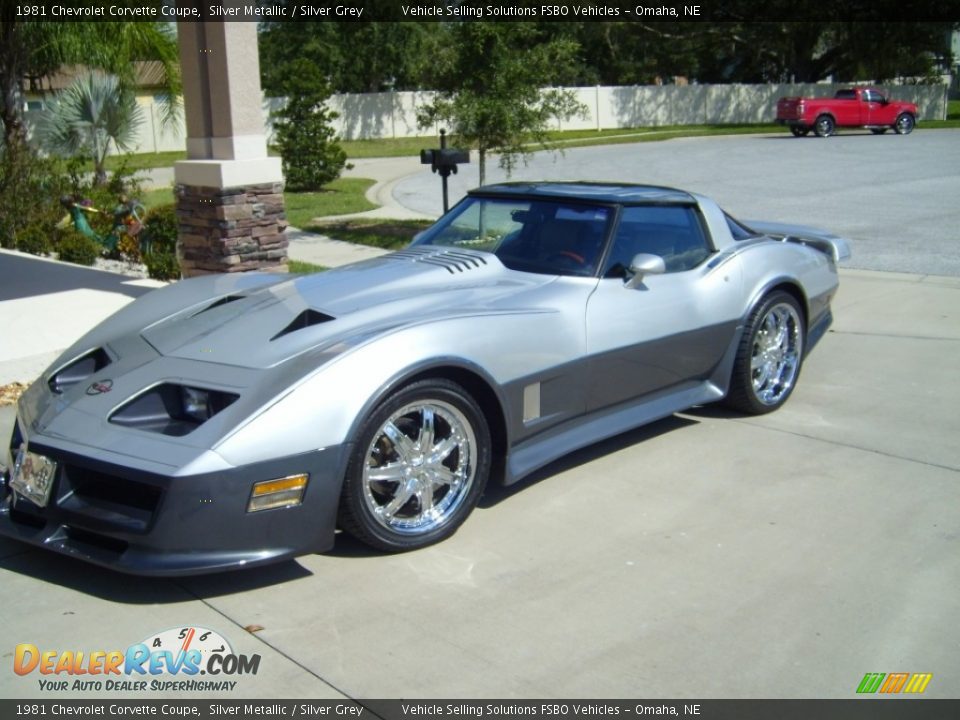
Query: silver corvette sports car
[227, 421]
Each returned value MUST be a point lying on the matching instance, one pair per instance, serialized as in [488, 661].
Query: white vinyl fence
[394, 114]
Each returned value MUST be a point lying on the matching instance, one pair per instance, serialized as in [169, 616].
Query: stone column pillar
[229, 192]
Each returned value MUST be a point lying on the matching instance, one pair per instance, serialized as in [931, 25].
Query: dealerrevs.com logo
[179, 660]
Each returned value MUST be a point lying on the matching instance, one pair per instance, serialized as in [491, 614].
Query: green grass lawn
[341, 197]
[157, 197]
[304, 268]
[142, 161]
[386, 234]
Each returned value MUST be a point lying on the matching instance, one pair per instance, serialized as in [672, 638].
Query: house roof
[147, 74]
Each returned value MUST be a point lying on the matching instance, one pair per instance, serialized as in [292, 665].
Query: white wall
[394, 114]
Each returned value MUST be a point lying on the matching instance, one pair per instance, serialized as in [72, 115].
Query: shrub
[159, 243]
[79, 249]
[307, 143]
[35, 239]
[162, 266]
[30, 190]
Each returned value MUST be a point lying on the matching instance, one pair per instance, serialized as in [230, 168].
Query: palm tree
[32, 51]
[95, 111]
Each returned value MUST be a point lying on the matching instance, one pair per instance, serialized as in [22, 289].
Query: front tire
[824, 126]
[769, 357]
[418, 468]
[905, 124]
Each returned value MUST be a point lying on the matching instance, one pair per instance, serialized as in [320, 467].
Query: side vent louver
[308, 318]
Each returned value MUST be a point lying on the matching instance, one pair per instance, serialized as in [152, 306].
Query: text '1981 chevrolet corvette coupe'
[227, 421]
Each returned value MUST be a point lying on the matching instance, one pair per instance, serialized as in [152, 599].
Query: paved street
[894, 196]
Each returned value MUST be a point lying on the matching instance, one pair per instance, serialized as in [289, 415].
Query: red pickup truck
[856, 107]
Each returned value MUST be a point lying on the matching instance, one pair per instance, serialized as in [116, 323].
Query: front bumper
[147, 524]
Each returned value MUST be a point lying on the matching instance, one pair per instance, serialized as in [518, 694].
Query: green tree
[307, 143]
[493, 88]
[354, 57]
[87, 117]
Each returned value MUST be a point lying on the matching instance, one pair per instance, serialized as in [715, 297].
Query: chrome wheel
[420, 467]
[824, 126]
[769, 355]
[776, 354]
[905, 123]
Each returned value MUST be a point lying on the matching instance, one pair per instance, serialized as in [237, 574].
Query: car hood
[269, 325]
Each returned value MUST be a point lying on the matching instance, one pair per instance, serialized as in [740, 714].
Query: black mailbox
[440, 159]
[444, 160]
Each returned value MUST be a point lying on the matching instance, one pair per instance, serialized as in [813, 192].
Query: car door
[873, 108]
[670, 329]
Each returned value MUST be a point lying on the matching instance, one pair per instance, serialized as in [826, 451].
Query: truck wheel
[878, 131]
[799, 131]
[824, 126]
[905, 123]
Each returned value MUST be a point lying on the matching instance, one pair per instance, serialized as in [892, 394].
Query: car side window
[675, 233]
[738, 230]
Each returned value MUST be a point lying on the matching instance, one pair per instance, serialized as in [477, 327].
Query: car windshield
[539, 236]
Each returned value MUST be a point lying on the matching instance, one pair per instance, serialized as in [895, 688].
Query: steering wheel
[568, 258]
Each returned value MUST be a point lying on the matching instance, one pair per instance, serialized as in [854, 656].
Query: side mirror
[641, 265]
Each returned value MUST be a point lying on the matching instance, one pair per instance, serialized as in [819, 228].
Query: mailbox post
[444, 160]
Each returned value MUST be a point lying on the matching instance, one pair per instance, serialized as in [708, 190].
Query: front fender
[325, 407]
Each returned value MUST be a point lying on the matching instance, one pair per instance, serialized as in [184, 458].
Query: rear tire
[799, 131]
[878, 131]
[769, 357]
[824, 126]
[419, 466]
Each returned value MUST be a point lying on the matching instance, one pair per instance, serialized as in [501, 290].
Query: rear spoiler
[836, 247]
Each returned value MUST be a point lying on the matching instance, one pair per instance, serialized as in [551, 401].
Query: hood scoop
[219, 303]
[454, 261]
[308, 318]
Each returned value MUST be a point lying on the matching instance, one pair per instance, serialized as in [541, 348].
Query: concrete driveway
[705, 556]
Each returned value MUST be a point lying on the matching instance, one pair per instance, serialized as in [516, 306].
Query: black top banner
[646, 11]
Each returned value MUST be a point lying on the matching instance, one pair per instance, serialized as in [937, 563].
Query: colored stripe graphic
[918, 682]
[894, 683]
[870, 682]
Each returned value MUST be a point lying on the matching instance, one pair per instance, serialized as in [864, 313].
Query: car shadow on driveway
[497, 493]
[24, 276]
[105, 584]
